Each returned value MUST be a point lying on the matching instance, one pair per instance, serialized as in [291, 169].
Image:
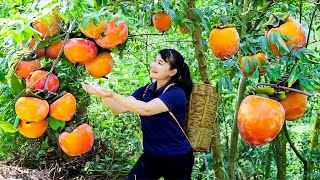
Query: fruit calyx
[224, 25]
[275, 20]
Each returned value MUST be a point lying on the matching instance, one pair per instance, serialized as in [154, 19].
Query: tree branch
[285, 88]
[59, 54]
[302, 159]
[310, 25]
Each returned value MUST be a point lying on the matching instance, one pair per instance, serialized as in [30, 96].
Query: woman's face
[160, 69]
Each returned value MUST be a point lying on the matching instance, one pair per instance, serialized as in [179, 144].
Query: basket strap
[175, 119]
[173, 116]
[145, 91]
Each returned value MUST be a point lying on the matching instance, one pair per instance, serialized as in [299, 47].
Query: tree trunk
[280, 155]
[235, 131]
[241, 91]
[197, 41]
[268, 163]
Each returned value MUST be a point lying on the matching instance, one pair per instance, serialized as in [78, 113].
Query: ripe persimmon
[291, 28]
[63, 108]
[52, 51]
[94, 31]
[101, 65]
[224, 42]
[48, 26]
[79, 50]
[40, 52]
[24, 68]
[183, 30]
[161, 21]
[295, 104]
[259, 57]
[78, 142]
[32, 129]
[31, 109]
[36, 84]
[260, 119]
[115, 34]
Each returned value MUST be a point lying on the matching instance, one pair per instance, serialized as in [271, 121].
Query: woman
[167, 152]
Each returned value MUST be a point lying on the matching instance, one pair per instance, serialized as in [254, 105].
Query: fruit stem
[67, 34]
[285, 88]
[275, 17]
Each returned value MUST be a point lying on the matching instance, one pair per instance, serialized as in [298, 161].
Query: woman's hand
[98, 91]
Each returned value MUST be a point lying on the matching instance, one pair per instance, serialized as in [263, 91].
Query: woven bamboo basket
[201, 116]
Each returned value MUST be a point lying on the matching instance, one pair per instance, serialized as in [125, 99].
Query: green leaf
[8, 127]
[255, 74]
[56, 124]
[85, 22]
[229, 63]
[305, 82]
[16, 84]
[124, 9]
[297, 54]
[183, 5]
[293, 76]
[255, 63]
[166, 5]
[43, 3]
[198, 14]
[206, 24]
[282, 45]
[273, 37]
[247, 66]
[263, 42]
[90, 3]
[220, 85]
[226, 83]
[275, 73]
[3, 77]
[16, 122]
[171, 13]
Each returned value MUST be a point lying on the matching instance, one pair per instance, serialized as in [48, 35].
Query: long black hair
[176, 61]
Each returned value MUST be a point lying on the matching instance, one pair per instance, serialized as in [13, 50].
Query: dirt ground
[20, 173]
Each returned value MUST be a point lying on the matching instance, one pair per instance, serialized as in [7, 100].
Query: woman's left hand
[98, 91]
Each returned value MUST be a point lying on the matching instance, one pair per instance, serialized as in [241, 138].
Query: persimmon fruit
[259, 57]
[78, 142]
[31, 109]
[93, 31]
[260, 119]
[52, 51]
[115, 34]
[101, 65]
[295, 105]
[32, 129]
[183, 30]
[24, 68]
[40, 51]
[79, 50]
[161, 21]
[291, 28]
[63, 108]
[37, 81]
[224, 42]
[48, 25]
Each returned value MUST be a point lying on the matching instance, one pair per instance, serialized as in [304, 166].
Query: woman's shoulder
[175, 89]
